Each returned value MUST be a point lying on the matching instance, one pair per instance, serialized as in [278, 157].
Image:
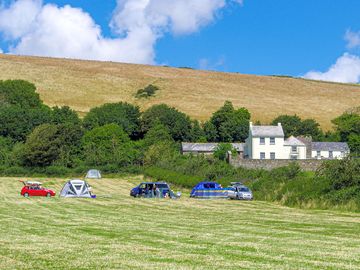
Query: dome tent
[76, 189]
[209, 190]
[93, 174]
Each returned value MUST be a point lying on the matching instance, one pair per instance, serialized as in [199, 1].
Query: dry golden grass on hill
[85, 84]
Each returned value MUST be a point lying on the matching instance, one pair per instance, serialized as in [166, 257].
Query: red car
[35, 189]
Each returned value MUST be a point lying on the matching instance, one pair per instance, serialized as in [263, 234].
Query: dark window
[272, 155]
[331, 154]
[318, 153]
[162, 186]
[262, 140]
[272, 140]
[293, 148]
[262, 155]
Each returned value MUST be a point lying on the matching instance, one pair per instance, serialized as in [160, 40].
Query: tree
[49, 144]
[20, 93]
[156, 134]
[347, 124]
[178, 123]
[210, 132]
[309, 127]
[64, 115]
[42, 147]
[108, 144]
[197, 134]
[231, 125]
[291, 124]
[222, 150]
[5, 150]
[18, 122]
[125, 115]
[354, 144]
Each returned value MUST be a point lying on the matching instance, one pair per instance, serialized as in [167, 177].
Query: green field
[116, 231]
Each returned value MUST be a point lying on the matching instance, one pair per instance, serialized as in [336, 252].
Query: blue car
[209, 190]
[153, 190]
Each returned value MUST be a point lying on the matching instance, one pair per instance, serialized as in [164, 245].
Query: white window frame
[262, 139]
[272, 140]
[272, 155]
[262, 154]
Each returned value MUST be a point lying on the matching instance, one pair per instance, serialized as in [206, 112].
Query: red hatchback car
[35, 189]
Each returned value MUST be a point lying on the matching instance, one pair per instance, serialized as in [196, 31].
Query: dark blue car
[153, 190]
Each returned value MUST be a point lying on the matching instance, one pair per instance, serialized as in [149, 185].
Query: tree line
[119, 135]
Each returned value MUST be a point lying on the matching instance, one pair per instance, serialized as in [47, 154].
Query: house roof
[330, 146]
[207, 147]
[267, 131]
[292, 141]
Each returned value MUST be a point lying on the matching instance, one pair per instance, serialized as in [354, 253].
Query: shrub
[146, 92]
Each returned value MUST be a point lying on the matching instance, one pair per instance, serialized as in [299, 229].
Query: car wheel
[26, 195]
[48, 195]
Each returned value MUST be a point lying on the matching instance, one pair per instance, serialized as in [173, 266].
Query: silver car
[240, 192]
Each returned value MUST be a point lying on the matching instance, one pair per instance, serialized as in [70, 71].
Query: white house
[265, 142]
[329, 150]
[268, 142]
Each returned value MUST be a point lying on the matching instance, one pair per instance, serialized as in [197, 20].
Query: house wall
[267, 148]
[325, 154]
[301, 152]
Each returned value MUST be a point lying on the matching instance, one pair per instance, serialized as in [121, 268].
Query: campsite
[179, 134]
[116, 231]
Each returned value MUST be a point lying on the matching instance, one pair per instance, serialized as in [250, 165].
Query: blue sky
[284, 37]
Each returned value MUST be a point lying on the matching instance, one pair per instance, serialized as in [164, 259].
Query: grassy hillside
[116, 231]
[85, 84]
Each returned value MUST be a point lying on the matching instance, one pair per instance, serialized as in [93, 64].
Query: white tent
[93, 174]
[76, 189]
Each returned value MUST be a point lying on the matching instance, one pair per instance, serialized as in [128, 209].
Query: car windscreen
[162, 186]
[244, 189]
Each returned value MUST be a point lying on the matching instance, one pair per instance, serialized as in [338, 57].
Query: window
[272, 155]
[262, 140]
[318, 153]
[272, 140]
[293, 148]
[293, 157]
[331, 154]
[262, 155]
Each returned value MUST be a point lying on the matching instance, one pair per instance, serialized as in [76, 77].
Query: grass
[85, 84]
[116, 231]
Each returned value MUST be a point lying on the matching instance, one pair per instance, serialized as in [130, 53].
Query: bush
[14, 171]
[146, 92]
[57, 171]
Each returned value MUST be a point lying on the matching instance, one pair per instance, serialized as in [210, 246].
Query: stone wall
[268, 164]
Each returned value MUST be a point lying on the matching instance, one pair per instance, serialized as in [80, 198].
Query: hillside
[85, 84]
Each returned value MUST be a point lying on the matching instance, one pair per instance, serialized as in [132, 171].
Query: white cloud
[17, 20]
[352, 38]
[207, 64]
[346, 70]
[49, 30]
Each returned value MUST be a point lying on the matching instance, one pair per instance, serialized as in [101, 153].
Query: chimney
[279, 124]
[251, 124]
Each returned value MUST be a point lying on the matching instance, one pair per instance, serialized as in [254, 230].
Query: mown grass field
[86, 84]
[116, 231]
